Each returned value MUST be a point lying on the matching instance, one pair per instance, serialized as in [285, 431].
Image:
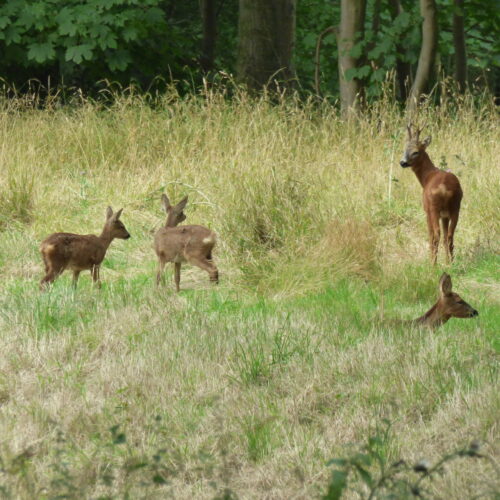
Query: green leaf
[157, 479]
[351, 73]
[120, 438]
[364, 71]
[108, 42]
[309, 40]
[154, 15]
[378, 75]
[4, 21]
[365, 476]
[78, 53]
[118, 60]
[26, 19]
[130, 33]
[337, 485]
[357, 50]
[337, 461]
[99, 30]
[361, 458]
[403, 20]
[67, 27]
[41, 52]
[375, 53]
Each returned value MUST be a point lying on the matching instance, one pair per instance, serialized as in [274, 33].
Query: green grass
[248, 388]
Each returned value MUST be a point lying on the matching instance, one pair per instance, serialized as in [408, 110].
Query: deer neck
[105, 238]
[423, 168]
[171, 221]
[432, 318]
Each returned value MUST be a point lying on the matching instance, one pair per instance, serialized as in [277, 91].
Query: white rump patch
[47, 248]
[209, 239]
[441, 189]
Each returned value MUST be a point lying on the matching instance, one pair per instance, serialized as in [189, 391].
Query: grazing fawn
[449, 305]
[80, 252]
[441, 196]
[193, 244]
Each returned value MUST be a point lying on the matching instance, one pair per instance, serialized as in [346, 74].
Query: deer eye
[414, 154]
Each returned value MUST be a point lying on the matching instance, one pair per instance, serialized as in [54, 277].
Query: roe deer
[193, 244]
[449, 305]
[80, 252]
[441, 196]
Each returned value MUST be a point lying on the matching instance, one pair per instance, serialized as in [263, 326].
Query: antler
[408, 127]
[419, 129]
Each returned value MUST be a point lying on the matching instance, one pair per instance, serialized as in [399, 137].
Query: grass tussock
[16, 199]
[249, 389]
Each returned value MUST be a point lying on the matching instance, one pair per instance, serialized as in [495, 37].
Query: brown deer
[449, 305]
[80, 252]
[441, 196]
[192, 244]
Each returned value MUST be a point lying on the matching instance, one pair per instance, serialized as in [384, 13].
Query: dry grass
[256, 385]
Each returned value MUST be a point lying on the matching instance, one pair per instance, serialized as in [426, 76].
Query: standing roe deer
[193, 244]
[80, 252]
[441, 196]
[449, 305]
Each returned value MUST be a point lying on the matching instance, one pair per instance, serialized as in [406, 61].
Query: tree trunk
[208, 18]
[427, 51]
[403, 68]
[266, 38]
[352, 17]
[459, 43]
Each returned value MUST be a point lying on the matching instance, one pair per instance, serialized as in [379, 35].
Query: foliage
[89, 40]
[79, 42]
[482, 25]
[398, 38]
[370, 473]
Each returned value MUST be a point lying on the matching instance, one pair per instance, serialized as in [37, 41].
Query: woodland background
[337, 48]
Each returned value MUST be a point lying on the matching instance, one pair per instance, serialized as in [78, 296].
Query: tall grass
[250, 388]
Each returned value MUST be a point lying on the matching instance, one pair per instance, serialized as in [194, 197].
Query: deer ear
[427, 141]
[165, 202]
[109, 213]
[181, 205]
[116, 215]
[445, 285]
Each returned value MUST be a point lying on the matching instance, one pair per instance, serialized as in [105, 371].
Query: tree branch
[319, 43]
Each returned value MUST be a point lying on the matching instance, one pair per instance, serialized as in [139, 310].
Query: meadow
[248, 389]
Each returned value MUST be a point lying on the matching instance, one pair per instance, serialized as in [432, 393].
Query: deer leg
[159, 274]
[445, 221]
[95, 276]
[76, 274]
[46, 263]
[451, 234]
[51, 273]
[214, 273]
[177, 275]
[434, 235]
[208, 266]
[47, 279]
